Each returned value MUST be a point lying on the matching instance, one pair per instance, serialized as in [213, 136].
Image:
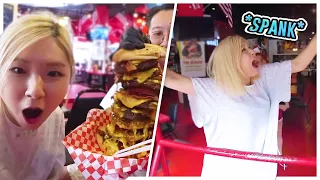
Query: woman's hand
[178, 82]
[132, 39]
[65, 174]
[305, 57]
[72, 173]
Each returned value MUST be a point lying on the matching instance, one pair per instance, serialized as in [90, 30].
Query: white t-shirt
[246, 123]
[32, 155]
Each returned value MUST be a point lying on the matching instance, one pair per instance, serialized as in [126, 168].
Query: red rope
[241, 154]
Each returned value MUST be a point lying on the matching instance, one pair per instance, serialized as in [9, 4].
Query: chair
[298, 101]
[81, 107]
[301, 84]
[78, 113]
[169, 128]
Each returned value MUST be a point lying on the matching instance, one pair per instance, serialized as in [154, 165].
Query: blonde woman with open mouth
[37, 66]
[238, 106]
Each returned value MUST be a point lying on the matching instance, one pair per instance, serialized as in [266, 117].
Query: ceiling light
[135, 15]
[312, 32]
[213, 8]
[63, 22]
[295, 49]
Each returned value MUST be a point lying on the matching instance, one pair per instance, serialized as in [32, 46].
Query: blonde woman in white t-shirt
[238, 106]
[36, 65]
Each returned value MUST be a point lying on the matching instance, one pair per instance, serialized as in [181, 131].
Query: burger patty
[143, 92]
[122, 111]
[136, 101]
[130, 135]
[145, 65]
[136, 84]
[123, 67]
[130, 115]
[156, 75]
[132, 124]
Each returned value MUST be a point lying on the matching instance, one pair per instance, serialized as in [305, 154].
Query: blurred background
[198, 29]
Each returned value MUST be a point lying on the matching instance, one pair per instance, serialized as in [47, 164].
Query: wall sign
[192, 58]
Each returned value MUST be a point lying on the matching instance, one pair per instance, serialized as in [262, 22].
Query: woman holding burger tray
[159, 24]
[228, 103]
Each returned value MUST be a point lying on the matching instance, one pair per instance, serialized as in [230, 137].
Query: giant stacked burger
[134, 107]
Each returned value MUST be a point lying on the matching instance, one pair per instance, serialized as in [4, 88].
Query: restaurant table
[98, 78]
[74, 89]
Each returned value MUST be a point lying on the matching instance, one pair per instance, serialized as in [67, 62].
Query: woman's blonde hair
[28, 30]
[224, 65]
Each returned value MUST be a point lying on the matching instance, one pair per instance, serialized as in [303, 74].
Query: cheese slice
[136, 62]
[153, 105]
[110, 144]
[110, 147]
[150, 52]
[119, 111]
[111, 128]
[140, 76]
[154, 81]
[131, 135]
[129, 101]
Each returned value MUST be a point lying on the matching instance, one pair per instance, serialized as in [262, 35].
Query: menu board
[7, 14]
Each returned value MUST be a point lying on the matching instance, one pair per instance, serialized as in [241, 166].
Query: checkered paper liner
[87, 155]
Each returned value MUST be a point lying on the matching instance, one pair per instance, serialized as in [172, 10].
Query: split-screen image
[118, 91]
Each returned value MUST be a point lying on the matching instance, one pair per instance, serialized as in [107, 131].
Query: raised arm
[179, 82]
[305, 57]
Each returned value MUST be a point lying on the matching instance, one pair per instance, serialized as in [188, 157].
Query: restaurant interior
[97, 29]
[299, 121]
